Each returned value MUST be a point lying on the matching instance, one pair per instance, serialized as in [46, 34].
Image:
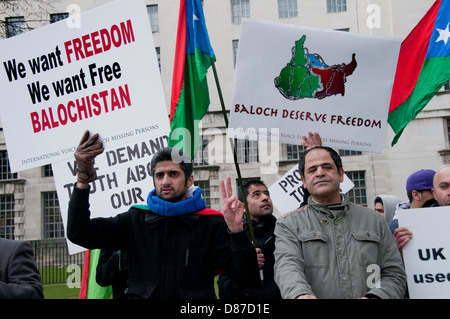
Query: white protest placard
[427, 254]
[123, 180]
[287, 194]
[291, 79]
[59, 80]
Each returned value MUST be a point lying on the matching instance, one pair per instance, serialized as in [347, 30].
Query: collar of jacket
[333, 211]
[264, 223]
[263, 229]
[164, 208]
[154, 219]
[150, 217]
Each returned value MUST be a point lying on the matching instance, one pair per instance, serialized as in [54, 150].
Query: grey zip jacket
[337, 251]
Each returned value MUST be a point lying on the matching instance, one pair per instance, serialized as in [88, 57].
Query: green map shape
[296, 80]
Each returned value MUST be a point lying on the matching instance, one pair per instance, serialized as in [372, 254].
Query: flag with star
[423, 67]
[190, 95]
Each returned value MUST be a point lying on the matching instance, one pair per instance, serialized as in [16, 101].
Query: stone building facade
[29, 208]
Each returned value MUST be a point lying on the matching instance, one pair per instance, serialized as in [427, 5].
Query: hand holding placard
[85, 155]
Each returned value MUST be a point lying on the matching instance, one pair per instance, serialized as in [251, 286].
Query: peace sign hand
[233, 209]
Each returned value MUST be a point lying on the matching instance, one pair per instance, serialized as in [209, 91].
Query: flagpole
[236, 164]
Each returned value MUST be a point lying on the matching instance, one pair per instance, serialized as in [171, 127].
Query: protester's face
[259, 202]
[441, 183]
[170, 182]
[379, 208]
[322, 177]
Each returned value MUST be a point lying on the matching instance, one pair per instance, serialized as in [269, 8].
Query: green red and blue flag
[190, 94]
[423, 67]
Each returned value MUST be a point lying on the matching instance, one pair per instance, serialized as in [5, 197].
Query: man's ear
[416, 195]
[190, 181]
[341, 174]
[303, 181]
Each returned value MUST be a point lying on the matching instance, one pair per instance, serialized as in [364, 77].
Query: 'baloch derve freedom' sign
[291, 79]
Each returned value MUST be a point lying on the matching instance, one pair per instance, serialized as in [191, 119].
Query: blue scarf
[164, 208]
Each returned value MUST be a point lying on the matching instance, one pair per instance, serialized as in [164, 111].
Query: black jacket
[110, 272]
[168, 257]
[267, 288]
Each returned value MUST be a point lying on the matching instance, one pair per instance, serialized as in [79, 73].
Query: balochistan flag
[89, 288]
[190, 96]
[423, 67]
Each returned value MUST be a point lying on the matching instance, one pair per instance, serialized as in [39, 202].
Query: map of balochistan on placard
[308, 76]
[292, 79]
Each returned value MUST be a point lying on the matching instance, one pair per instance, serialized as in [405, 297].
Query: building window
[47, 170]
[239, 9]
[201, 158]
[447, 86]
[206, 192]
[158, 56]
[7, 216]
[349, 153]
[235, 51]
[58, 17]
[336, 6]
[5, 170]
[53, 225]
[294, 151]
[152, 12]
[247, 151]
[14, 26]
[448, 131]
[358, 194]
[287, 9]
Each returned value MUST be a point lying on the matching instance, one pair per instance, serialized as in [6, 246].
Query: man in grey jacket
[332, 248]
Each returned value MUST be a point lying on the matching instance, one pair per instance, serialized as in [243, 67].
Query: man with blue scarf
[175, 245]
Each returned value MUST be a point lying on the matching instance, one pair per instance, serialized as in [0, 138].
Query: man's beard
[175, 198]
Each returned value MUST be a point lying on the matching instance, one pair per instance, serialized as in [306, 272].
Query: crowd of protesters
[175, 246]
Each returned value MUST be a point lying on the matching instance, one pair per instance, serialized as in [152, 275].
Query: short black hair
[173, 154]
[247, 186]
[410, 195]
[378, 200]
[334, 155]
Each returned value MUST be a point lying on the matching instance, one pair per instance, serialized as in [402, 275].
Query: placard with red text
[100, 74]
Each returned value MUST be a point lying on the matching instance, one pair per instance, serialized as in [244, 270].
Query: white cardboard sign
[291, 79]
[62, 79]
[427, 254]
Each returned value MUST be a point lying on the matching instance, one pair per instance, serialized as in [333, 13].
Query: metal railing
[52, 259]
